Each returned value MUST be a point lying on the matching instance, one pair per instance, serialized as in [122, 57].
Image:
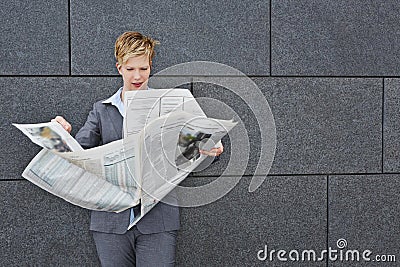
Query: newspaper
[50, 135]
[58, 176]
[164, 130]
[144, 106]
[169, 151]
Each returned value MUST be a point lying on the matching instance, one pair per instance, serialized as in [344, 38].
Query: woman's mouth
[137, 85]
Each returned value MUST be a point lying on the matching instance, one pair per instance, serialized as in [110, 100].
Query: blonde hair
[131, 44]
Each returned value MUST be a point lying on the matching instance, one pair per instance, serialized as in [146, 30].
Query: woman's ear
[118, 68]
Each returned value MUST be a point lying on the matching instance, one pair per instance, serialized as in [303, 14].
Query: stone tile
[227, 32]
[43, 99]
[220, 103]
[39, 229]
[364, 210]
[34, 38]
[286, 213]
[335, 38]
[322, 125]
[391, 126]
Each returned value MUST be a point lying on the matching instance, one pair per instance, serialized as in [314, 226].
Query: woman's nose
[136, 75]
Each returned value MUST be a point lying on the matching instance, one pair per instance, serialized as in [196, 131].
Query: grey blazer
[104, 125]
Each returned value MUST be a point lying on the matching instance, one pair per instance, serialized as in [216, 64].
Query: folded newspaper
[164, 130]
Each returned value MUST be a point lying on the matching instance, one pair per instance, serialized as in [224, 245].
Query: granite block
[230, 32]
[241, 146]
[34, 38]
[364, 210]
[287, 213]
[323, 125]
[42, 100]
[335, 38]
[391, 126]
[39, 229]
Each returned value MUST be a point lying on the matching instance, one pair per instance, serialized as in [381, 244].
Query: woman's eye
[144, 68]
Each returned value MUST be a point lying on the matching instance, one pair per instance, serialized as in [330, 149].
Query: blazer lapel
[116, 119]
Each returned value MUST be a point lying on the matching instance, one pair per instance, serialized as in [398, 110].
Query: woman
[152, 241]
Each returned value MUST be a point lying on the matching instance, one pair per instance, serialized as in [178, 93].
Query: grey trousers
[136, 249]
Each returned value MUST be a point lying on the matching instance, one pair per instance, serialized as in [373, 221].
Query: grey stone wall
[328, 69]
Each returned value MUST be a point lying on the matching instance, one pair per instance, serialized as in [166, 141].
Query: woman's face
[135, 73]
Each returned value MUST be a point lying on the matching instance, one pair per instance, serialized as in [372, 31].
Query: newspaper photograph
[50, 135]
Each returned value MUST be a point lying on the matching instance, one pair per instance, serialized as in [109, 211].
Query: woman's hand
[65, 124]
[216, 151]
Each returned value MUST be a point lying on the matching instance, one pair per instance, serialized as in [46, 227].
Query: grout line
[250, 176]
[59, 76]
[293, 175]
[194, 76]
[69, 38]
[327, 217]
[270, 38]
[383, 122]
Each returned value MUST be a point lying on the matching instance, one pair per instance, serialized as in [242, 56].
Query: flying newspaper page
[164, 129]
